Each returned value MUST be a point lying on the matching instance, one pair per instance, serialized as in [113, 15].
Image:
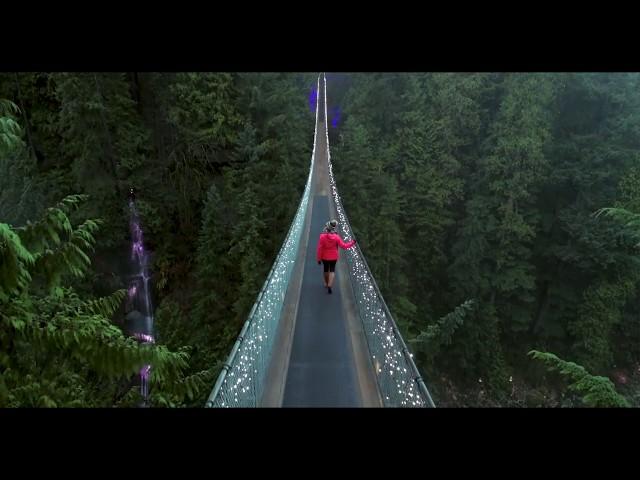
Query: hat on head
[331, 225]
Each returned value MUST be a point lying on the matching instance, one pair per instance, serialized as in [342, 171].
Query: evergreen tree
[54, 342]
[596, 391]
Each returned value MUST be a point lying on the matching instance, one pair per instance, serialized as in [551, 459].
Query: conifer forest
[499, 214]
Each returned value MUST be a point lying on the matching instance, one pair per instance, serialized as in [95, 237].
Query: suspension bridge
[301, 347]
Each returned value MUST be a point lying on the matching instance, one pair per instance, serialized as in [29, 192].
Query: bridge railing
[399, 380]
[241, 382]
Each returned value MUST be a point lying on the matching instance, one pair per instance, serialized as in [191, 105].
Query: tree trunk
[109, 147]
[27, 125]
[542, 310]
[388, 264]
[135, 87]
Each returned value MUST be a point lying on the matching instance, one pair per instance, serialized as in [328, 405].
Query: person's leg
[325, 274]
[332, 274]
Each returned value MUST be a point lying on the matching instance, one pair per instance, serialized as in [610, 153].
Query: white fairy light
[253, 354]
[382, 333]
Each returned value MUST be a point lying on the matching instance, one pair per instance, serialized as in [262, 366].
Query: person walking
[327, 252]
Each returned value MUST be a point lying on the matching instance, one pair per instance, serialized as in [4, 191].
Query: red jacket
[328, 246]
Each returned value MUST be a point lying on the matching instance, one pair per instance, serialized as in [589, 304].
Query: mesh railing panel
[399, 380]
[241, 382]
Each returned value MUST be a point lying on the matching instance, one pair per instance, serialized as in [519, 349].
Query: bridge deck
[320, 358]
[321, 366]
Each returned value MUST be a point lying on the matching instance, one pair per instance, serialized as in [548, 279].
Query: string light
[254, 351]
[382, 336]
[397, 382]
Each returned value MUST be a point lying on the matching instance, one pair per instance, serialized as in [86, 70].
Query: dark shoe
[329, 289]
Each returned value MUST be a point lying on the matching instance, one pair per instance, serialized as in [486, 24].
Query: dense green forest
[218, 163]
[476, 198]
[477, 203]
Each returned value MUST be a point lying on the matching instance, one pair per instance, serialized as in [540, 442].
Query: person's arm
[345, 245]
[318, 250]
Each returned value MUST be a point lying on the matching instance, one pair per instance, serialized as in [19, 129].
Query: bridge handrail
[255, 342]
[404, 395]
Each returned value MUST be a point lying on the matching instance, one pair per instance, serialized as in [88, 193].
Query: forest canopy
[497, 211]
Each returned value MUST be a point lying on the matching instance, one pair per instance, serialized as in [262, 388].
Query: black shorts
[329, 265]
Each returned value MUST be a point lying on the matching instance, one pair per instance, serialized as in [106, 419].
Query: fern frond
[105, 306]
[45, 233]
[15, 261]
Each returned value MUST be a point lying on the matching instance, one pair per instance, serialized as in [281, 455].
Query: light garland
[398, 377]
[241, 382]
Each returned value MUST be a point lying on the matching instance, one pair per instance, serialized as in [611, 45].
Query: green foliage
[103, 143]
[599, 313]
[187, 389]
[17, 193]
[10, 131]
[458, 186]
[204, 121]
[630, 221]
[174, 137]
[596, 391]
[53, 342]
[441, 333]
[499, 175]
[14, 274]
